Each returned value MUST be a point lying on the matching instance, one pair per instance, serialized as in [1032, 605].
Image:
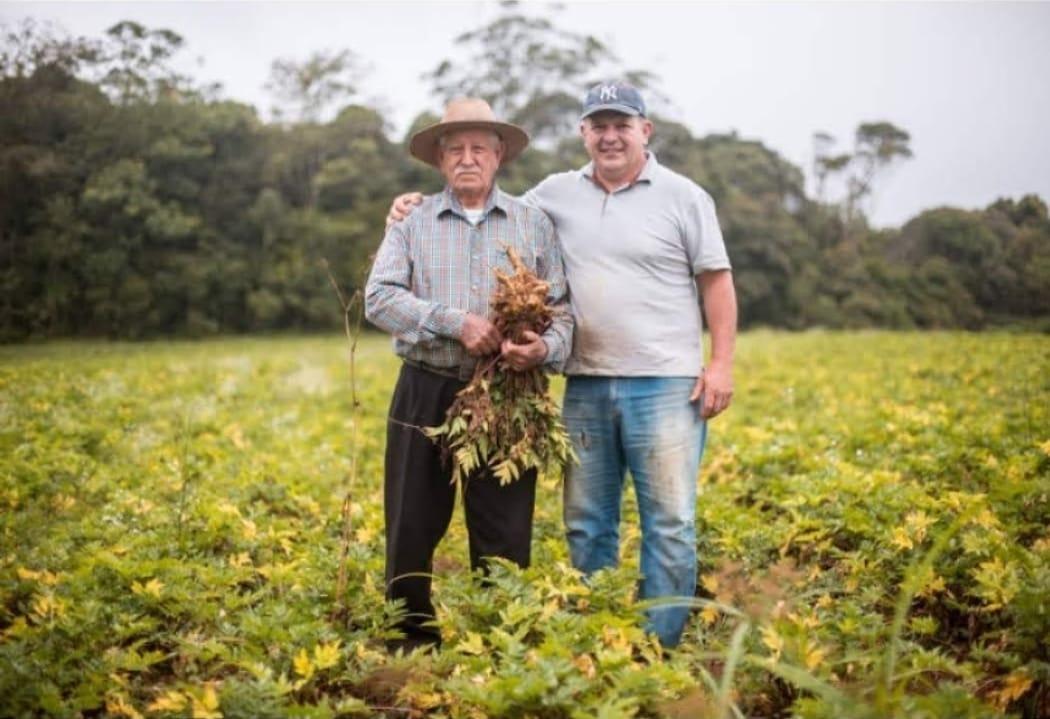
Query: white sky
[970, 82]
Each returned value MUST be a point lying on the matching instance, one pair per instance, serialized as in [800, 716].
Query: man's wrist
[447, 322]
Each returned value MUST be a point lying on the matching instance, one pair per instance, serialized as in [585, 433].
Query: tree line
[135, 202]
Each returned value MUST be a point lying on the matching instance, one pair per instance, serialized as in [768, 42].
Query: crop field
[873, 521]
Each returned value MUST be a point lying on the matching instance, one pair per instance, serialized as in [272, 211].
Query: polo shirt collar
[647, 174]
[649, 171]
[448, 202]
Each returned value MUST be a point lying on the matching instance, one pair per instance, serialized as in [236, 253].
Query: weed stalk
[352, 318]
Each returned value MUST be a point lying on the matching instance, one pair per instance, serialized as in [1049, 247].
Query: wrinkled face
[616, 143]
[469, 159]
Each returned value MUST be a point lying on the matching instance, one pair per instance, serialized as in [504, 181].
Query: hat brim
[424, 144]
[612, 107]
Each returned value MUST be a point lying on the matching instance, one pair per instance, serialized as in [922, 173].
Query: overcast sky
[970, 82]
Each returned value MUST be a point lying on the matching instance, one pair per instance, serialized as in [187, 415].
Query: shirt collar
[448, 202]
[646, 175]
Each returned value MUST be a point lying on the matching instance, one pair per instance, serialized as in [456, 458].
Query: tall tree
[135, 63]
[530, 71]
[876, 146]
[825, 163]
[305, 89]
[32, 45]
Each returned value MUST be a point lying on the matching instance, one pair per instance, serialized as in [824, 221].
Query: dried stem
[352, 317]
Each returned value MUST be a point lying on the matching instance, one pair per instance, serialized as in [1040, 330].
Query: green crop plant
[872, 533]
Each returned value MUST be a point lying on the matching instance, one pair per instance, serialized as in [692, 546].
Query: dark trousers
[419, 499]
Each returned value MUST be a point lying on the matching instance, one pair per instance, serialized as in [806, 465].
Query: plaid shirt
[435, 266]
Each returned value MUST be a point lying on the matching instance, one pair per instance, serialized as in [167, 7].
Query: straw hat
[467, 113]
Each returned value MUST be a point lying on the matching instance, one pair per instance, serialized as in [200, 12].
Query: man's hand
[715, 386]
[715, 383]
[479, 336]
[402, 207]
[524, 356]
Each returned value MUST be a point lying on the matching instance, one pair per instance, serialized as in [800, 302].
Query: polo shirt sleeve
[703, 236]
[536, 196]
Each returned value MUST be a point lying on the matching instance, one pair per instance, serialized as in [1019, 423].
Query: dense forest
[136, 202]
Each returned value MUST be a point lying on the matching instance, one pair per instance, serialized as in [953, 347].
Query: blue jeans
[646, 425]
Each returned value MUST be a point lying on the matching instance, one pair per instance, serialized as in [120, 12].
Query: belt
[463, 374]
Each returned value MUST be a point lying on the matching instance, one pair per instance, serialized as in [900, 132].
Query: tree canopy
[136, 203]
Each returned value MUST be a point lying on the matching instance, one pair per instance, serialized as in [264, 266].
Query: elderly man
[430, 288]
[638, 239]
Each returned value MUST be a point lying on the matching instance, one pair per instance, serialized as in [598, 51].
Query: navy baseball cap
[615, 96]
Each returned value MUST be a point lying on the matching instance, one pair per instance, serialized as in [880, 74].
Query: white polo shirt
[631, 257]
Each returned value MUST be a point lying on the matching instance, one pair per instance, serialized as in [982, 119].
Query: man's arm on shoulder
[391, 304]
[402, 207]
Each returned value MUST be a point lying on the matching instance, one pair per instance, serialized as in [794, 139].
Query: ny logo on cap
[608, 92]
